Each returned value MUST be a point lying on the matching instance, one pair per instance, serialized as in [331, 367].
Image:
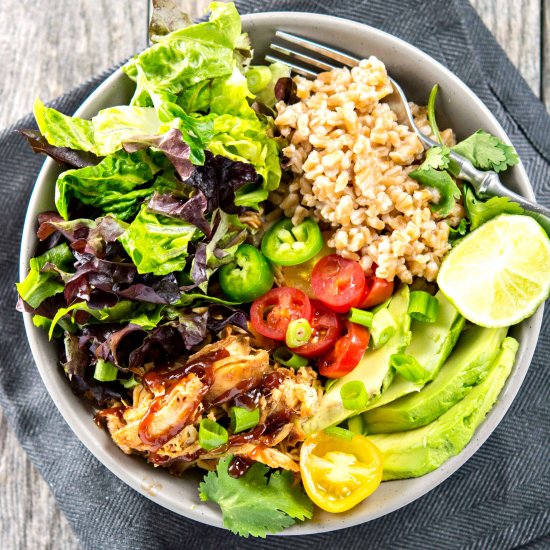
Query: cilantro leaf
[253, 504]
[443, 183]
[436, 157]
[487, 152]
[456, 233]
[480, 212]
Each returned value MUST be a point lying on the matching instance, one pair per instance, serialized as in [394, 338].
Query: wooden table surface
[45, 49]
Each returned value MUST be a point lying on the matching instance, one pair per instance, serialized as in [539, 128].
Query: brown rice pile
[351, 159]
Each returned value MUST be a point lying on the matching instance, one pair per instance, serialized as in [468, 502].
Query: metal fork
[484, 183]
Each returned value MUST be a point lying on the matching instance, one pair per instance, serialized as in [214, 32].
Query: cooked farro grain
[351, 161]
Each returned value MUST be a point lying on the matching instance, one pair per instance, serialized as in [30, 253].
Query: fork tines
[324, 51]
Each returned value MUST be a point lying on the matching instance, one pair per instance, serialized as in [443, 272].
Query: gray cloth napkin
[499, 499]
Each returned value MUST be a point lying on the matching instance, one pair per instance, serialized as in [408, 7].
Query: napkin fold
[498, 499]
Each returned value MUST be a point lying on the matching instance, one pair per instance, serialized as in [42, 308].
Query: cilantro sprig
[487, 152]
[483, 150]
[255, 504]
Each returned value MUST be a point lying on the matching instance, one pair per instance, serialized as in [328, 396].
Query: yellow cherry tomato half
[339, 472]
[299, 276]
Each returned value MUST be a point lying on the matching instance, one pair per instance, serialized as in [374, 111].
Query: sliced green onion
[361, 317]
[383, 327]
[354, 395]
[289, 358]
[242, 419]
[105, 371]
[130, 383]
[431, 113]
[342, 433]
[356, 424]
[423, 307]
[408, 367]
[211, 434]
[329, 383]
[257, 78]
[298, 333]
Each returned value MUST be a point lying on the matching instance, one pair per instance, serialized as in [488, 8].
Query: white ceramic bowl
[417, 72]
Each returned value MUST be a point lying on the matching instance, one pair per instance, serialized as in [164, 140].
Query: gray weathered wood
[45, 49]
[516, 24]
[545, 69]
[50, 46]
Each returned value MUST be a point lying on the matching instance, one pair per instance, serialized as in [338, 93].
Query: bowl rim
[80, 424]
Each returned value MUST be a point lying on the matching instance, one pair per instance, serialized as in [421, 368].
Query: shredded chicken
[163, 420]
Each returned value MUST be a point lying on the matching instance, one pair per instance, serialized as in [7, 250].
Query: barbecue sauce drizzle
[246, 393]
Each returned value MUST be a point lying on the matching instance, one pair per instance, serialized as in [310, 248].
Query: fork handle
[488, 184]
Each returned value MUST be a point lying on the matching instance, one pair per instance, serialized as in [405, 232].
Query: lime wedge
[499, 274]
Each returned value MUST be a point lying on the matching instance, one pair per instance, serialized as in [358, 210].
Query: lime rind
[499, 274]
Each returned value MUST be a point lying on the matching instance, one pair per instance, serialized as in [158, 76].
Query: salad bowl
[416, 72]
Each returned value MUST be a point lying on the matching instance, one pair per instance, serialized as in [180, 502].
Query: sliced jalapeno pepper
[286, 244]
[248, 276]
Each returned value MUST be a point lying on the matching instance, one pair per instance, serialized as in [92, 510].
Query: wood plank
[546, 53]
[30, 518]
[516, 24]
[52, 46]
[69, 42]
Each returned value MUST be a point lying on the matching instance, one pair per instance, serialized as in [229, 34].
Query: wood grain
[516, 24]
[545, 68]
[45, 49]
[51, 46]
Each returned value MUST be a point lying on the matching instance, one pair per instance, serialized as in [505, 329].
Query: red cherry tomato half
[347, 352]
[338, 283]
[326, 329]
[377, 291]
[271, 313]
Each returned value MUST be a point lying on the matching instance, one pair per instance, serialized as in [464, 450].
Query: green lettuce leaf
[39, 285]
[158, 244]
[115, 125]
[192, 54]
[103, 134]
[62, 130]
[146, 316]
[114, 185]
[254, 504]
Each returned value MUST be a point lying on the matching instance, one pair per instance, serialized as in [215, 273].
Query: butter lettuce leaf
[62, 130]
[192, 54]
[115, 125]
[158, 244]
[115, 185]
[39, 285]
[103, 134]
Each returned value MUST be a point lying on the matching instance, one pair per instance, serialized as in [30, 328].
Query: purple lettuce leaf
[171, 144]
[219, 316]
[219, 179]
[167, 17]
[63, 155]
[190, 210]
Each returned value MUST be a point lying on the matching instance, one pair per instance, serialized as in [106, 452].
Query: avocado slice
[431, 344]
[373, 370]
[467, 366]
[418, 452]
